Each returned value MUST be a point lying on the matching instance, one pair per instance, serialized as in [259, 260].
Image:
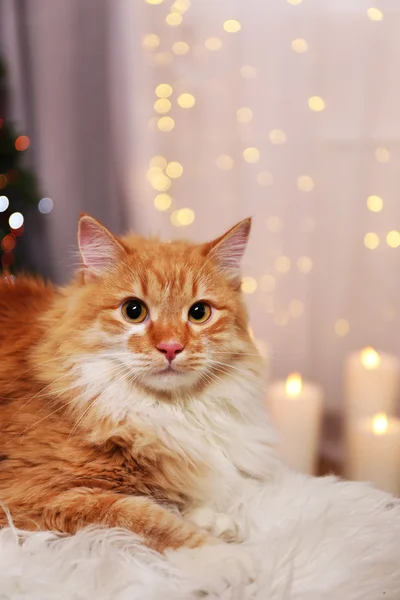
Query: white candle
[296, 411]
[374, 452]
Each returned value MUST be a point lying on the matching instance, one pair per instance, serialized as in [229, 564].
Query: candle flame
[293, 385]
[370, 359]
[380, 424]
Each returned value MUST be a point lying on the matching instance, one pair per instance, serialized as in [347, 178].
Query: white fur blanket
[308, 539]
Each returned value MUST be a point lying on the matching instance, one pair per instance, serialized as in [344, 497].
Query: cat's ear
[100, 250]
[227, 251]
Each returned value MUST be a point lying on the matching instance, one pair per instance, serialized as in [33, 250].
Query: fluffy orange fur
[71, 450]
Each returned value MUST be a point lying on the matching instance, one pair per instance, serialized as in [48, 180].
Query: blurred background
[183, 117]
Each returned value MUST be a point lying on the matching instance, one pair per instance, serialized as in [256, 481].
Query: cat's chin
[169, 380]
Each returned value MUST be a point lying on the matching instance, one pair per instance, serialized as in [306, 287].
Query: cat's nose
[170, 349]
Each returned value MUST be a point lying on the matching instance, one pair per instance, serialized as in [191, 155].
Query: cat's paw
[218, 524]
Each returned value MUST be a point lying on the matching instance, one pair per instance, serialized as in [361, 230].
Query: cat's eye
[200, 312]
[134, 311]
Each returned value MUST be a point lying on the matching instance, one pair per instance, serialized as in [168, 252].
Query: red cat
[133, 396]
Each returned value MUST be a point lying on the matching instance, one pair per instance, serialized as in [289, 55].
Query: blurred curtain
[295, 122]
[58, 57]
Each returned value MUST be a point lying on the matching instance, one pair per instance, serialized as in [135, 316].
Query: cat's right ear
[100, 250]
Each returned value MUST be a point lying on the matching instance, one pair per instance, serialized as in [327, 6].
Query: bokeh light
[186, 100]
[299, 45]
[16, 220]
[277, 136]
[151, 41]
[342, 327]
[244, 115]
[213, 43]
[267, 283]
[174, 169]
[393, 239]
[166, 124]
[251, 155]
[248, 72]
[305, 183]
[22, 143]
[173, 19]
[182, 217]
[45, 205]
[282, 264]
[371, 240]
[374, 203]
[382, 155]
[304, 264]
[162, 202]
[4, 203]
[180, 48]
[375, 14]
[232, 26]
[164, 90]
[248, 285]
[316, 103]
[162, 105]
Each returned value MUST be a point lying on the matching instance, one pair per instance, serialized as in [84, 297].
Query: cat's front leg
[219, 524]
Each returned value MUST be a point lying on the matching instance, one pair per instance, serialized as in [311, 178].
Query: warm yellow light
[180, 6]
[374, 203]
[248, 285]
[265, 178]
[251, 155]
[369, 357]
[162, 201]
[154, 1]
[185, 216]
[393, 239]
[294, 2]
[165, 124]
[299, 45]
[316, 103]
[232, 26]
[282, 264]
[164, 90]
[371, 240]
[160, 182]
[213, 43]
[382, 155]
[277, 136]
[296, 308]
[305, 183]
[162, 105]
[274, 224]
[304, 264]
[151, 41]
[248, 71]
[173, 19]
[153, 172]
[244, 115]
[375, 14]
[267, 283]
[224, 162]
[174, 170]
[380, 424]
[186, 100]
[158, 161]
[342, 327]
[294, 385]
[180, 48]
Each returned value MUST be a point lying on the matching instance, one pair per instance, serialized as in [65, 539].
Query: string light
[180, 6]
[162, 202]
[224, 162]
[267, 283]
[180, 48]
[164, 90]
[393, 239]
[244, 115]
[282, 264]
[154, 1]
[16, 220]
[375, 14]
[158, 161]
[22, 143]
[182, 217]
[213, 43]
[299, 45]
[251, 155]
[265, 178]
[162, 105]
[45, 205]
[294, 2]
[305, 183]
[316, 103]
[304, 264]
[374, 203]
[151, 41]
[274, 224]
[382, 155]
[174, 19]
[186, 100]
[166, 124]
[277, 136]
[248, 72]
[8, 243]
[4, 203]
[371, 240]
[248, 285]
[174, 170]
[232, 26]
[342, 327]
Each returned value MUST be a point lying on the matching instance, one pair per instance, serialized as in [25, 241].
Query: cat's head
[167, 316]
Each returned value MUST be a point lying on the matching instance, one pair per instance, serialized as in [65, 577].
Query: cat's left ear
[227, 251]
[100, 250]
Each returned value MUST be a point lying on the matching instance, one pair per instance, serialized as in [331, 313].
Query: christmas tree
[18, 186]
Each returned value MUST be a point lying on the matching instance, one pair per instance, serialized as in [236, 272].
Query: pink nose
[170, 349]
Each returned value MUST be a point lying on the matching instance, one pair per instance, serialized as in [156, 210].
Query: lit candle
[374, 452]
[372, 385]
[296, 411]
